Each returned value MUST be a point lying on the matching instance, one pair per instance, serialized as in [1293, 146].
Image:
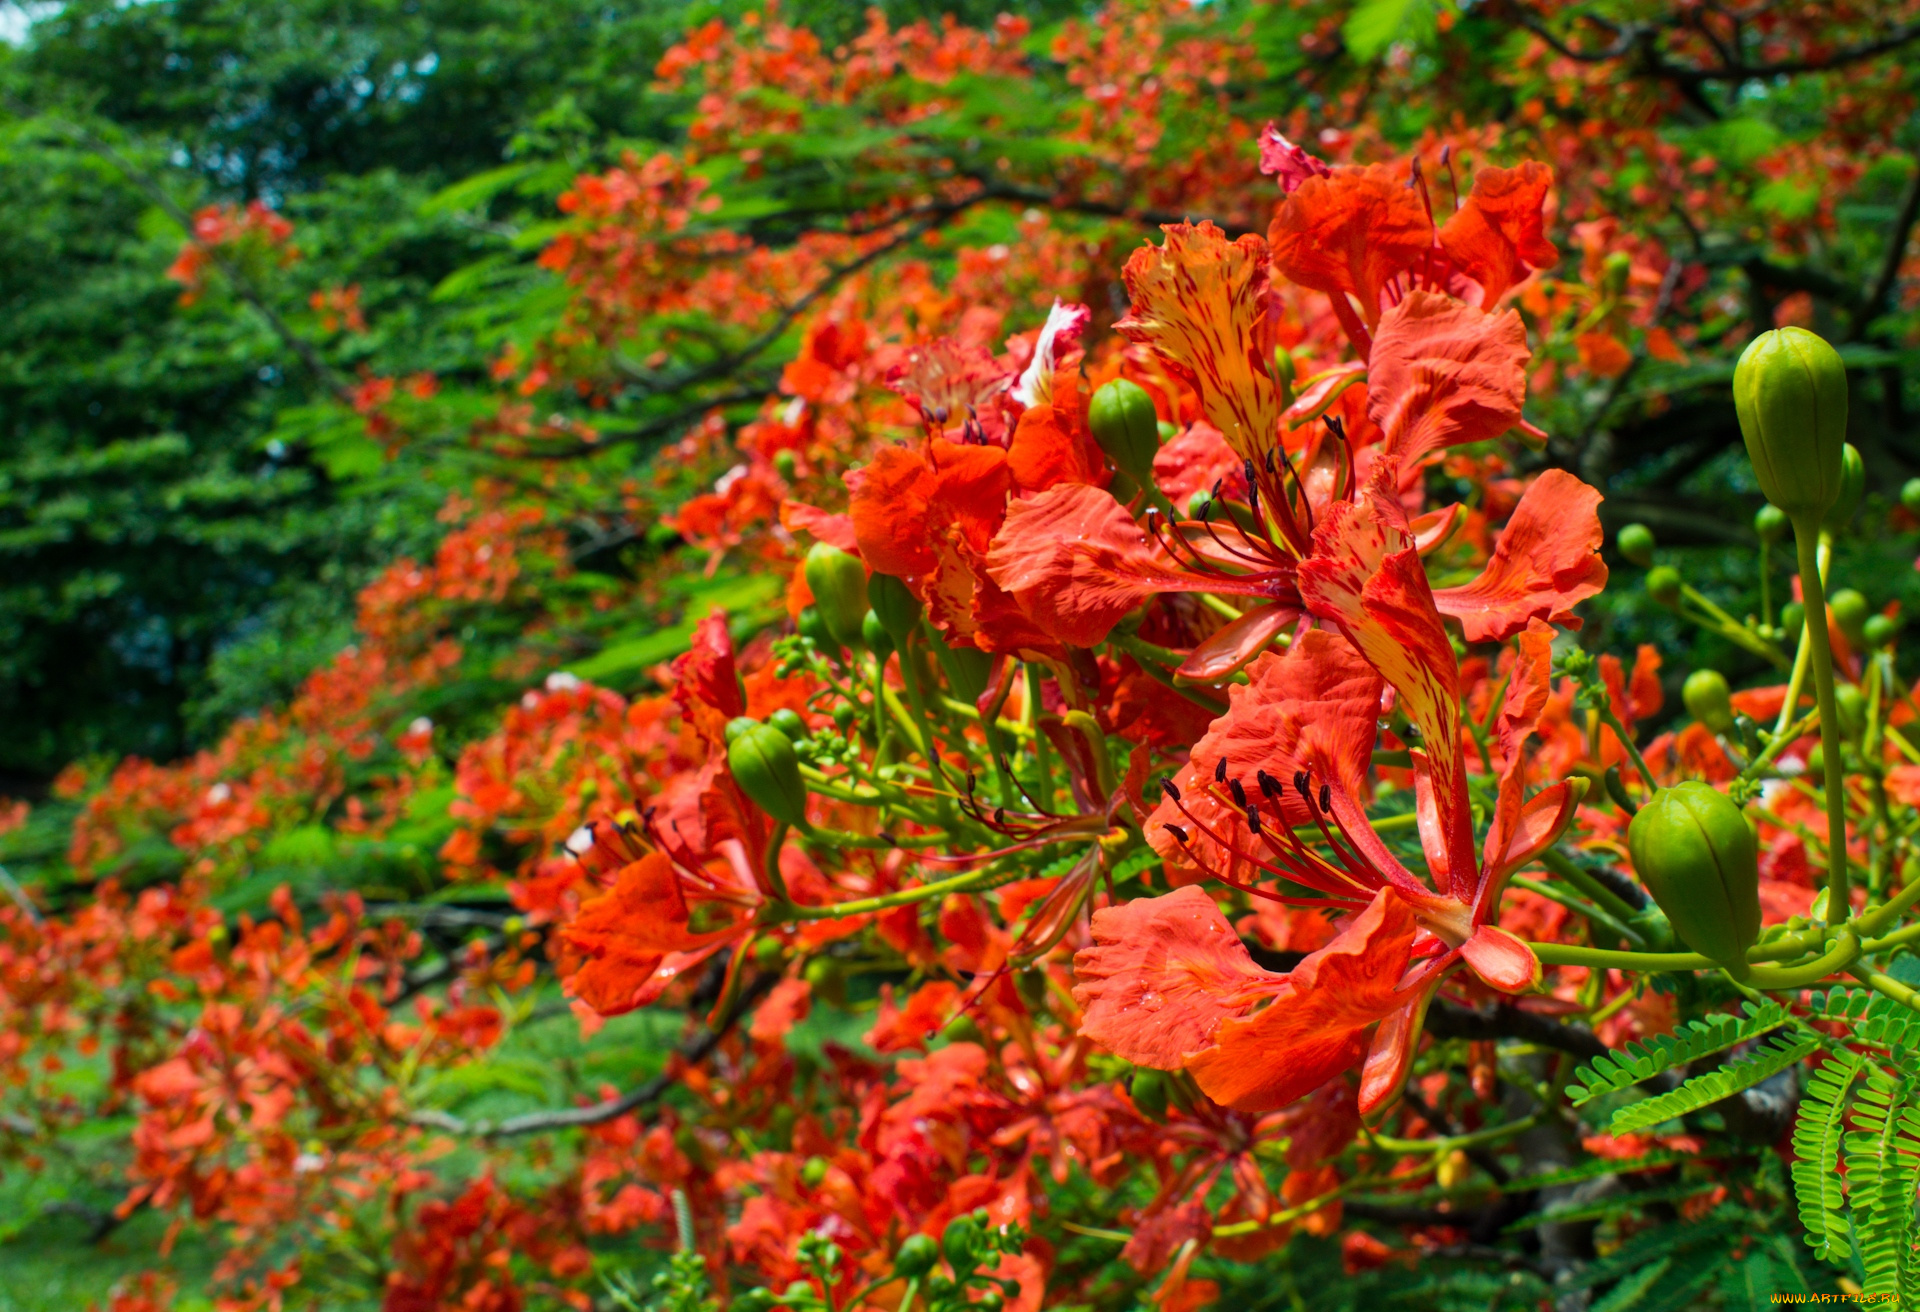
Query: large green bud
[1709, 700]
[762, 761]
[1790, 390]
[1635, 542]
[1125, 425]
[1697, 855]
[838, 582]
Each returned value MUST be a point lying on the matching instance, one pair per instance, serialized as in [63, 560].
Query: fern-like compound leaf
[1692, 1041]
[1711, 1087]
[1817, 1135]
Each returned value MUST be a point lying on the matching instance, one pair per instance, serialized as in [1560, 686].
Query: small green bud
[916, 1257]
[827, 977]
[1853, 486]
[762, 761]
[1123, 421]
[962, 1029]
[1168, 432]
[1614, 272]
[1636, 544]
[1850, 611]
[1663, 584]
[874, 634]
[1149, 1092]
[966, 668]
[813, 1171]
[1772, 524]
[738, 725]
[1851, 702]
[898, 609]
[1817, 765]
[1697, 855]
[843, 716]
[1709, 700]
[1793, 617]
[787, 721]
[1879, 630]
[1653, 926]
[786, 464]
[1790, 390]
[1910, 495]
[1197, 503]
[838, 582]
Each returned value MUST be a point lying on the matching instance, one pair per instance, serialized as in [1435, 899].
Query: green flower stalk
[1790, 389]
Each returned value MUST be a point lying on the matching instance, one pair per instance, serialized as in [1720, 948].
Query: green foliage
[1817, 1136]
[1702, 1090]
[1692, 1041]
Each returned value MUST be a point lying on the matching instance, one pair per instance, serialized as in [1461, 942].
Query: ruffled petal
[1546, 562]
[1501, 960]
[1499, 236]
[1162, 973]
[1443, 373]
[1316, 1027]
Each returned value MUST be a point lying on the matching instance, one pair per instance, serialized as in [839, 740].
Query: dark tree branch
[1450, 1020]
[693, 1051]
[1874, 304]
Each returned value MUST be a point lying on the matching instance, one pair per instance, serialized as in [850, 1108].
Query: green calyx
[838, 582]
[1853, 487]
[1709, 700]
[764, 764]
[1124, 423]
[1790, 389]
[1696, 853]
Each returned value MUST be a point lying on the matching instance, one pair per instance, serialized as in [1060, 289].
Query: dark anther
[1326, 799]
[1302, 781]
[1269, 786]
[1239, 794]
[1271, 467]
[1179, 834]
[1339, 429]
[1253, 818]
[1166, 786]
[999, 815]
[1220, 771]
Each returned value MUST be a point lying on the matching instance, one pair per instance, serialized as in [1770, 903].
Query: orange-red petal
[1162, 974]
[1546, 562]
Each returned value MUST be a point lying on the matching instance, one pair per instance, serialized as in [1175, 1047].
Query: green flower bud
[827, 977]
[1197, 503]
[1790, 389]
[839, 584]
[787, 721]
[1636, 544]
[1851, 702]
[961, 1243]
[1709, 700]
[1910, 495]
[1793, 617]
[812, 625]
[1879, 630]
[962, 1029]
[786, 464]
[1772, 524]
[1663, 584]
[762, 761]
[1853, 486]
[1123, 421]
[966, 668]
[1697, 855]
[1614, 271]
[813, 1171]
[1149, 1092]
[916, 1257]
[1850, 611]
[898, 609]
[1817, 765]
[1168, 432]
[843, 716]
[874, 634]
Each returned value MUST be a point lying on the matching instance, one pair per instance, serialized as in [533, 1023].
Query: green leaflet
[1711, 1087]
[1696, 1039]
[1816, 1141]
